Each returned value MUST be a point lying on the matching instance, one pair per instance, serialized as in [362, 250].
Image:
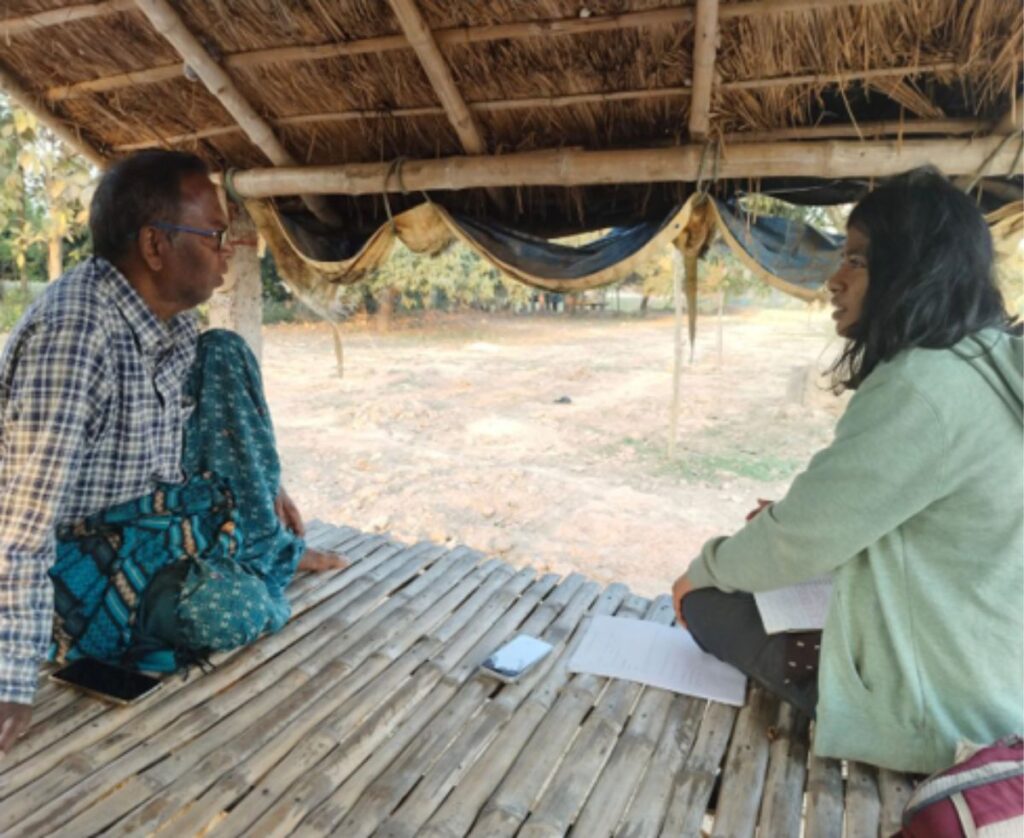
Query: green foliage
[44, 192]
[14, 301]
[455, 277]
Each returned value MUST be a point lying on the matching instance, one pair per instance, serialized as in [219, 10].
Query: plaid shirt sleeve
[54, 395]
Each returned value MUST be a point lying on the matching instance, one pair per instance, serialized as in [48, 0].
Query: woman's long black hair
[931, 280]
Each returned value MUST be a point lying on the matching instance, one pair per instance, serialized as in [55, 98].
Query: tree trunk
[54, 258]
[339, 349]
[721, 315]
[387, 308]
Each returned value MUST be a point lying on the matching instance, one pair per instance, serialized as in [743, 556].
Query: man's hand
[288, 512]
[762, 504]
[680, 588]
[14, 719]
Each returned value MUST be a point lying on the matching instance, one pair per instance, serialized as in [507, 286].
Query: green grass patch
[709, 466]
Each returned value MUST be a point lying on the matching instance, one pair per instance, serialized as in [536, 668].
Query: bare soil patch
[458, 430]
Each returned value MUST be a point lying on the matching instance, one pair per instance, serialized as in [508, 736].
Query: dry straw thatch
[338, 97]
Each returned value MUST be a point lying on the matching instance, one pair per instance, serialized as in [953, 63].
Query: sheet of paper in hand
[656, 655]
[800, 607]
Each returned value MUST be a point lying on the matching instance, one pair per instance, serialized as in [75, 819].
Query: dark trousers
[729, 627]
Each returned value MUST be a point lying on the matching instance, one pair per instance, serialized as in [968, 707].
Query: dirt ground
[543, 438]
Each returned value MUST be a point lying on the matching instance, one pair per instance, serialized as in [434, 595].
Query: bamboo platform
[366, 716]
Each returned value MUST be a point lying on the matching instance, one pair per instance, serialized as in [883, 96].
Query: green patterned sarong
[165, 580]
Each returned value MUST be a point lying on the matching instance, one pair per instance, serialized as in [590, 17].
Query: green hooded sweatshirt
[917, 508]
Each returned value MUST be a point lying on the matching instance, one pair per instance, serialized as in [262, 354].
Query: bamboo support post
[677, 348]
[705, 46]
[170, 26]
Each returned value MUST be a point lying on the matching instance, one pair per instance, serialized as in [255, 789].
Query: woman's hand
[288, 512]
[680, 588]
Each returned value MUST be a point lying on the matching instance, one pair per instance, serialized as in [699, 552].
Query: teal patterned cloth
[167, 579]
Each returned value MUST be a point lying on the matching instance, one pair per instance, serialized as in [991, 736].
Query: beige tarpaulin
[428, 228]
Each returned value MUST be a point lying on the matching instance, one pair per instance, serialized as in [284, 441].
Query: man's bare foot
[318, 561]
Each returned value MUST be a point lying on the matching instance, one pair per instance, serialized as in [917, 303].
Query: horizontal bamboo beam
[840, 76]
[455, 36]
[56, 17]
[13, 88]
[576, 99]
[908, 128]
[486, 106]
[571, 167]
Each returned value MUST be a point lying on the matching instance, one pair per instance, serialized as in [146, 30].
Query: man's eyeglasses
[220, 236]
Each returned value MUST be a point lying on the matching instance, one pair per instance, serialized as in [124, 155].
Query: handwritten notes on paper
[800, 607]
[656, 655]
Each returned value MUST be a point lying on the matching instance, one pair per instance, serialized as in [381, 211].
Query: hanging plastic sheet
[787, 254]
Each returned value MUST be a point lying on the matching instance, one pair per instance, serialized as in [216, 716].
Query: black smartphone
[106, 680]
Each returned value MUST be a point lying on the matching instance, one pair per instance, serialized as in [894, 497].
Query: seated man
[138, 470]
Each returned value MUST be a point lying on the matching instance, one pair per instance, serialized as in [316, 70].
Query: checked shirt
[91, 414]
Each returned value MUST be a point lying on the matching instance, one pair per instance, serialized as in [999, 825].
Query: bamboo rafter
[57, 17]
[13, 88]
[439, 74]
[576, 99]
[169, 24]
[450, 37]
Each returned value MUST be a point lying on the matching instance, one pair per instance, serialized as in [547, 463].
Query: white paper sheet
[657, 655]
[800, 607]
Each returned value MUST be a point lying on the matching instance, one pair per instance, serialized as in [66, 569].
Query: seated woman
[165, 580]
[916, 508]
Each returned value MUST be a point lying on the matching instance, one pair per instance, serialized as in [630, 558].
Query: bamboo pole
[439, 74]
[574, 167]
[705, 47]
[841, 76]
[693, 784]
[677, 344]
[946, 127]
[57, 17]
[654, 18]
[486, 106]
[13, 88]
[170, 26]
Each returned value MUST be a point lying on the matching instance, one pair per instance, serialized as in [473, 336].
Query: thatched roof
[353, 81]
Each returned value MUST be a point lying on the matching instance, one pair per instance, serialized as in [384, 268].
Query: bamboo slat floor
[367, 715]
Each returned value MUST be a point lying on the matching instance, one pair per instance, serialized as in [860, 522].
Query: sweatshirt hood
[998, 357]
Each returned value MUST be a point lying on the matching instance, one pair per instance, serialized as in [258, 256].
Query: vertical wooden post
[677, 363]
[238, 304]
